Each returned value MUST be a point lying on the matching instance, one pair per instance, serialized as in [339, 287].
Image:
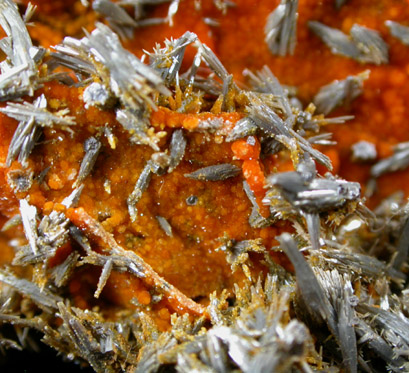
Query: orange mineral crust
[156, 185]
[379, 112]
[188, 259]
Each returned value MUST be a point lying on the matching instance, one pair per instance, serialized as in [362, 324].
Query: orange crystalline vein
[164, 117]
[177, 300]
[248, 150]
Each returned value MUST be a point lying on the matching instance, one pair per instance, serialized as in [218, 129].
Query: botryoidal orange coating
[188, 260]
[380, 112]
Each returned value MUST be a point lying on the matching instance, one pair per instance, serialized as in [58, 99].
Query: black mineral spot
[191, 200]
